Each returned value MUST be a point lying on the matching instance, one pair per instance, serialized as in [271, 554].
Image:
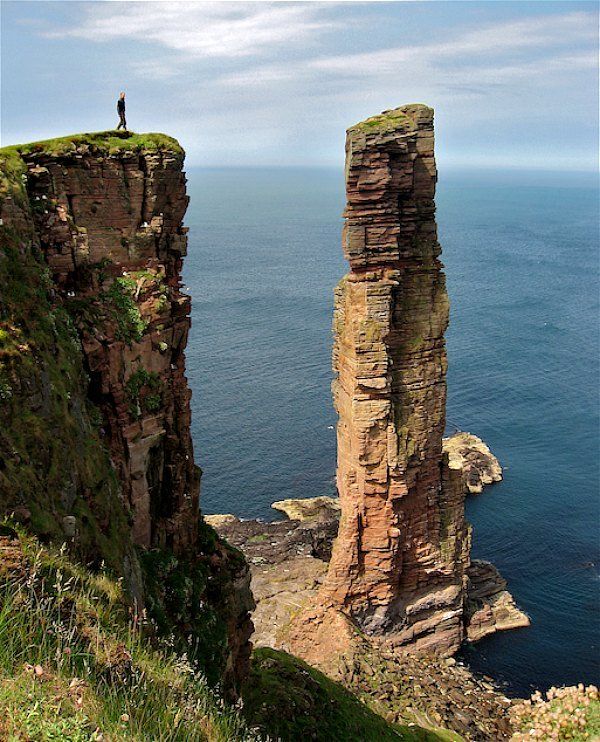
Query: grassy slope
[287, 698]
[73, 666]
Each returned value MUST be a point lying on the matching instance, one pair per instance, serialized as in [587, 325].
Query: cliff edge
[93, 329]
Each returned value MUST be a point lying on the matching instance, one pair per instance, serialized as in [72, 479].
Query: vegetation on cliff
[76, 665]
[53, 463]
[108, 142]
[397, 118]
[191, 600]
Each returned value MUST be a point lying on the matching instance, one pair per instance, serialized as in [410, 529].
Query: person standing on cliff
[121, 112]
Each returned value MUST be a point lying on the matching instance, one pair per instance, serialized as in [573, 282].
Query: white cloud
[483, 42]
[203, 29]
[471, 65]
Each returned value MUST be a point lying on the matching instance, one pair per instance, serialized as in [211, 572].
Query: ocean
[522, 264]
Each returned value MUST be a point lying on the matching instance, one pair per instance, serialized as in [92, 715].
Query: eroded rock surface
[490, 607]
[398, 565]
[472, 456]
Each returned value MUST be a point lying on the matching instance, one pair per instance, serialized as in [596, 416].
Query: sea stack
[398, 565]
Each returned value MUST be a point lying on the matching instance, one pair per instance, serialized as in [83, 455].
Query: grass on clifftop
[108, 142]
[290, 700]
[398, 118]
[75, 667]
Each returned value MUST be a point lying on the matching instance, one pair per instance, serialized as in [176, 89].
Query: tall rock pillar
[398, 565]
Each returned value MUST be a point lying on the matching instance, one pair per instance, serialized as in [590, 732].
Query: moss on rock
[289, 700]
[53, 464]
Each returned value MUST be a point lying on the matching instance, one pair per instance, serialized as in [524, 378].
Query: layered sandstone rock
[398, 565]
[111, 231]
[104, 213]
[469, 454]
[489, 606]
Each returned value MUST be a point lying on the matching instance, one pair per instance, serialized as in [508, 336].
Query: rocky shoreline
[289, 560]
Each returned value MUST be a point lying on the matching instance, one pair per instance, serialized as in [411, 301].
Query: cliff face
[111, 233]
[98, 221]
[398, 565]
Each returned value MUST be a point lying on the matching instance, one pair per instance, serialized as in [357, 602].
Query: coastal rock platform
[289, 561]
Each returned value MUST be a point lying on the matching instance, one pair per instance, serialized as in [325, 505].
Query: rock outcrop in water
[399, 564]
[471, 455]
[489, 605]
[97, 220]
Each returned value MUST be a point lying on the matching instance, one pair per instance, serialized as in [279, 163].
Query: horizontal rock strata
[289, 562]
[490, 607]
[398, 566]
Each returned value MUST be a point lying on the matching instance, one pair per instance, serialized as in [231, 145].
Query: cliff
[93, 329]
[400, 563]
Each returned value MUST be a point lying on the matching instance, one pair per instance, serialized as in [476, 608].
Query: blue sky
[514, 84]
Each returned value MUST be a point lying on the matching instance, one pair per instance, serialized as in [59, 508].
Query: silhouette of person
[121, 112]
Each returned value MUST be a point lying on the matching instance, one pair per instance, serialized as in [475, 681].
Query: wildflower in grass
[563, 714]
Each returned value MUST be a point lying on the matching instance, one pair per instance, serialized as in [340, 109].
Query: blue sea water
[521, 256]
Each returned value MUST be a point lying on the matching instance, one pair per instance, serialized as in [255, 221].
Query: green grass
[108, 142]
[144, 390]
[399, 118]
[290, 700]
[130, 323]
[74, 666]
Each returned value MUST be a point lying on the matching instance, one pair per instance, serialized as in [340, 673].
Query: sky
[513, 84]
